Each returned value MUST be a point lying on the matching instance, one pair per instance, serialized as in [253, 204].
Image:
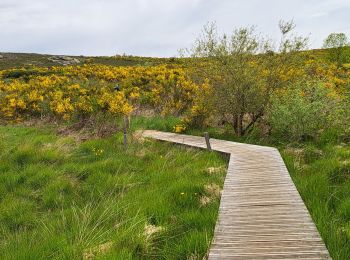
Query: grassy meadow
[63, 199]
[87, 199]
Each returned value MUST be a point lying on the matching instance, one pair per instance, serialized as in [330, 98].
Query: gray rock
[64, 60]
[1, 57]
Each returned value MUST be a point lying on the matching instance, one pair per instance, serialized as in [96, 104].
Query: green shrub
[303, 111]
[25, 73]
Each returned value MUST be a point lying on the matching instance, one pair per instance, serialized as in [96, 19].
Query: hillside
[17, 60]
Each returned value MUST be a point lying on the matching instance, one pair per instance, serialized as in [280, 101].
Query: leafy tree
[243, 68]
[338, 44]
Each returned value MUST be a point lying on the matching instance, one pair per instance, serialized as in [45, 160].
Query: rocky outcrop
[64, 60]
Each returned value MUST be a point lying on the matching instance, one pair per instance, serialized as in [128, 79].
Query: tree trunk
[235, 124]
[238, 125]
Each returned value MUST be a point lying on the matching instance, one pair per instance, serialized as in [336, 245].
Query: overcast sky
[153, 27]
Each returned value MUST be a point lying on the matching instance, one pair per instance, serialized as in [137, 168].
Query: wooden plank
[261, 214]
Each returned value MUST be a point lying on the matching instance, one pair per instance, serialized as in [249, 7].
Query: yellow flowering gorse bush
[77, 91]
[65, 92]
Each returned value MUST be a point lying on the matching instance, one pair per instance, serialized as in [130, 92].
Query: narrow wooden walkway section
[261, 215]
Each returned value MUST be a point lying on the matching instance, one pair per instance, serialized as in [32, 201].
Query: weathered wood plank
[261, 214]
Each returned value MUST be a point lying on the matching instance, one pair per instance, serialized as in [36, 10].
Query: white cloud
[152, 27]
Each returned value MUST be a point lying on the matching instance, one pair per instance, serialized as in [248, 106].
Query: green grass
[322, 176]
[60, 199]
[320, 170]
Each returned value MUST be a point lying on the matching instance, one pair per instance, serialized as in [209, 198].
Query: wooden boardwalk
[261, 215]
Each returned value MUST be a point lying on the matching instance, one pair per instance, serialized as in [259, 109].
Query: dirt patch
[204, 200]
[213, 190]
[151, 230]
[91, 253]
[216, 170]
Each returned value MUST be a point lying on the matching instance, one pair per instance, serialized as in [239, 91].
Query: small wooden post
[127, 122]
[206, 135]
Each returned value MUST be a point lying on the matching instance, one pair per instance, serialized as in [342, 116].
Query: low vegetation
[66, 200]
[322, 176]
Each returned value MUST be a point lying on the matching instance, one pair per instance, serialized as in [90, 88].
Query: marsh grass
[320, 169]
[61, 199]
[322, 176]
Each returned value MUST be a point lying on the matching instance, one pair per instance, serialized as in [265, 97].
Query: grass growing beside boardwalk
[62, 199]
[322, 176]
[320, 170]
